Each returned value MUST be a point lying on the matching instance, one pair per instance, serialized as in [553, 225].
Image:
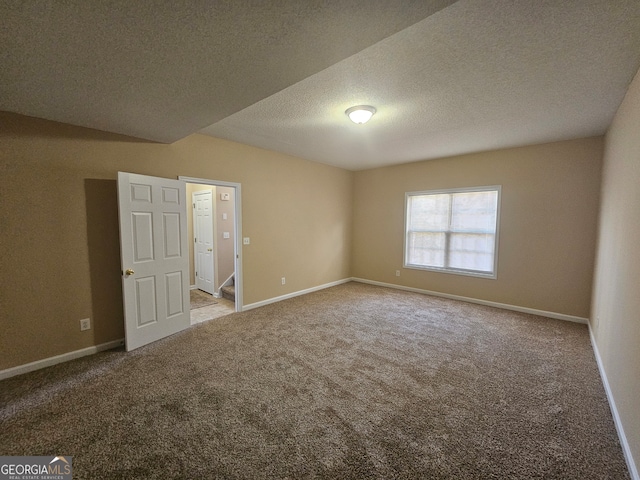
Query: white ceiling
[446, 78]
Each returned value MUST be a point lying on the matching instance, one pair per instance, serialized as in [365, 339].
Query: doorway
[154, 254]
[214, 244]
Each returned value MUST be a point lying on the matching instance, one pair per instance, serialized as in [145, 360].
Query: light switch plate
[246, 241]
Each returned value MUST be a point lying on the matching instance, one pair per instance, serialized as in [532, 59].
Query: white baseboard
[262, 303]
[193, 287]
[533, 311]
[626, 449]
[65, 357]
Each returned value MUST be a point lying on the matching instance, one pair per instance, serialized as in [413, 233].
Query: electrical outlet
[85, 324]
[284, 280]
[397, 273]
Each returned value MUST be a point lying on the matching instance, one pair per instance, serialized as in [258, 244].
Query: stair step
[229, 292]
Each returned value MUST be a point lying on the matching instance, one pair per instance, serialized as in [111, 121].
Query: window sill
[467, 273]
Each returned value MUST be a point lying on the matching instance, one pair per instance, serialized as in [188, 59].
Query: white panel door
[155, 257]
[203, 233]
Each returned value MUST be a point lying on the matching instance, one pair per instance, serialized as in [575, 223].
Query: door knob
[209, 249]
[128, 271]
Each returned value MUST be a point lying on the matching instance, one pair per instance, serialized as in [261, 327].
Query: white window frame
[455, 271]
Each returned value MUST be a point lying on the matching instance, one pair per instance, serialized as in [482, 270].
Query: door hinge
[194, 205]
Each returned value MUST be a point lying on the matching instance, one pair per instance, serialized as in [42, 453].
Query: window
[453, 231]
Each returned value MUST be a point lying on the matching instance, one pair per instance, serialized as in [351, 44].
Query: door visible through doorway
[203, 240]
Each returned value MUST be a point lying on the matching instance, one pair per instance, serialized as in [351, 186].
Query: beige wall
[60, 257]
[615, 319]
[224, 265]
[547, 232]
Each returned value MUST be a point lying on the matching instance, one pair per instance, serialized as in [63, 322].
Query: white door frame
[237, 228]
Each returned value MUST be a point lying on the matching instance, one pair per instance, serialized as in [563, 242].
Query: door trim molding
[237, 228]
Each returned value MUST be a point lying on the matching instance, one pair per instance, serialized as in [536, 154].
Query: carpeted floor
[350, 382]
[200, 299]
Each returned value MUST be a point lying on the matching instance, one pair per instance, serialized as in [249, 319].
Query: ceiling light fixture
[360, 113]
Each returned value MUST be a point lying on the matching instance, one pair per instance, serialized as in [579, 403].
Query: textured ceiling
[162, 70]
[446, 78]
[478, 75]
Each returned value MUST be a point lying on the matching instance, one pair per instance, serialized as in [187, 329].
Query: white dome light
[360, 113]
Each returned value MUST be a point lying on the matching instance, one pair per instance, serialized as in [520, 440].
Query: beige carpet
[200, 299]
[351, 382]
